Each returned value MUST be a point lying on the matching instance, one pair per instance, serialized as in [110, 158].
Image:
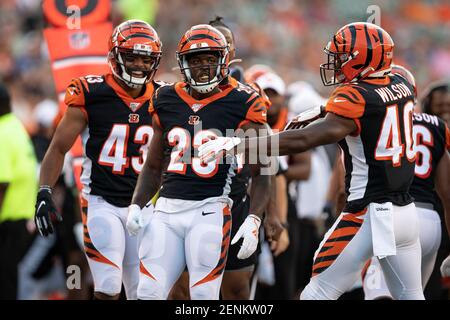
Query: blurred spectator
[18, 188]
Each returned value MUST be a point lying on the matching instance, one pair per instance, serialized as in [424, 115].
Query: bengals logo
[133, 118]
[194, 120]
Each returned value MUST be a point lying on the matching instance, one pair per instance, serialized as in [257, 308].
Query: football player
[238, 272]
[370, 115]
[429, 187]
[114, 109]
[191, 223]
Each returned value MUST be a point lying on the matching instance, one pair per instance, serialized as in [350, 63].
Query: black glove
[46, 212]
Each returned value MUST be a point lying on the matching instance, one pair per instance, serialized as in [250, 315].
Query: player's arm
[260, 187]
[71, 126]
[341, 120]
[443, 185]
[149, 180]
[281, 243]
[330, 129]
[300, 167]
[261, 183]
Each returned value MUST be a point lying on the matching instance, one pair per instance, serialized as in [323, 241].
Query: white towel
[382, 225]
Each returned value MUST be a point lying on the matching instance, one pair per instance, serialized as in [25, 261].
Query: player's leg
[207, 242]
[161, 254]
[130, 264]
[238, 272]
[374, 282]
[180, 290]
[236, 284]
[340, 257]
[403, 271]
[430, 240]
[104, 244]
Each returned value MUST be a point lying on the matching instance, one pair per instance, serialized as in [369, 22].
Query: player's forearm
[51, 166]
[148, 184]
[281, 196]
[271, 209]
[260, 188]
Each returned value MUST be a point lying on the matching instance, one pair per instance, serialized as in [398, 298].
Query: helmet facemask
[221, 69]
[331, 72]
[118, 58]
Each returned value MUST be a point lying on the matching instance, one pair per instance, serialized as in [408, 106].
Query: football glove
[46, 212]
[249, 230]
[138, 218]
[215, 147]
[305, 118]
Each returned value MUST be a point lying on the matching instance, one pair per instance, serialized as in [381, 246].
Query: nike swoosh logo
[339, 100]
[206, 213]
[40, 205]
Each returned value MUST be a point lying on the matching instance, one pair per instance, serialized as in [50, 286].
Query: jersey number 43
[114, 150]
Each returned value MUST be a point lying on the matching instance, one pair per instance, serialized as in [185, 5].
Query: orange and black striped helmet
[203, 38]
[405, 73]
[131, 38]
[356, 51]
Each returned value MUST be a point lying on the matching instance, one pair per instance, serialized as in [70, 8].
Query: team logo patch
[79, 40]
[194, 120]
[134, 106]
[196, 106]
[133, 118]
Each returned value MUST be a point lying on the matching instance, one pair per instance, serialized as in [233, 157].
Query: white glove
[138, 218]
[214, 148]
[249, 230]
[445, 267]
[304, 118]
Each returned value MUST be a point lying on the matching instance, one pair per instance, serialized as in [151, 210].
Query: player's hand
[272, 227]
[249, 230]
[305, 118]
[46, 212]
[445, 267]
[281, 244]
[138, 218]
[215, 147]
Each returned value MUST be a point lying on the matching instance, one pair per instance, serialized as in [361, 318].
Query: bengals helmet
[255, 71]
[199, 39]
[405, 73]
[134, 37]
[357, 51]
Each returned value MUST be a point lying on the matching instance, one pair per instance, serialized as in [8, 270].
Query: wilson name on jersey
[186, 122]
[431, 140]
[379, 157]
[119, 131]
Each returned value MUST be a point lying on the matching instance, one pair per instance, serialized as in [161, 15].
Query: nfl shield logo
[134, 106]
[196, 106]
[79, 40]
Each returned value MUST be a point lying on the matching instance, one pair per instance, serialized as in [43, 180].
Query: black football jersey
[186, 122]
[379, 157]
[432, 139]
[119, 131]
